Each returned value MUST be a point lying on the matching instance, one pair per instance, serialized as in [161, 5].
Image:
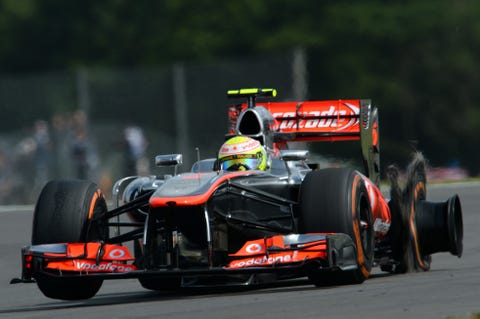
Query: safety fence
[103, 124]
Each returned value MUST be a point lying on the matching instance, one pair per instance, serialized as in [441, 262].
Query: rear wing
[276, 123]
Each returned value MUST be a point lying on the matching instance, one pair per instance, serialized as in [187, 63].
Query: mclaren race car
[214, 226]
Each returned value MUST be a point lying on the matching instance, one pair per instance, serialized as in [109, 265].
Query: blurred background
[95, 89]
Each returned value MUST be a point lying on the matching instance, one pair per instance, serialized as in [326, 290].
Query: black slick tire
[336, 201]
[69, 211]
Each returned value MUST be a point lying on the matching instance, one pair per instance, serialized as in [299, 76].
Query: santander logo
[316, 121]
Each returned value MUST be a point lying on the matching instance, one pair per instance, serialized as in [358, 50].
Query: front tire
[69, 211]
[336, 201]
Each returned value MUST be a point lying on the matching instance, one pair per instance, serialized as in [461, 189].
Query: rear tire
[336, 200]
[411, 257]
[69, 211]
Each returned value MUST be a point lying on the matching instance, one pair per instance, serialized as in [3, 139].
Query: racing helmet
[242, 153]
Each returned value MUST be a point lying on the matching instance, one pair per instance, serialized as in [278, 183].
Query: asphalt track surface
[450, 288]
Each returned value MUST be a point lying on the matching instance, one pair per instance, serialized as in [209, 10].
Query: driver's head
[242, 153]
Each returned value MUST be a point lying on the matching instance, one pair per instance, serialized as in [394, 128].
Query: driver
[242, 153]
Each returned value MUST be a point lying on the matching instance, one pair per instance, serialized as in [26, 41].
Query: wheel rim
[419, 194]
[366, 229]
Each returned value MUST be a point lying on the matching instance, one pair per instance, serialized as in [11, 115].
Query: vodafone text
[262, 261]
[104, 267]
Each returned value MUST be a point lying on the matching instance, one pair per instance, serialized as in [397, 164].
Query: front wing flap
[75, 258]
[280, 253]
[329, 250]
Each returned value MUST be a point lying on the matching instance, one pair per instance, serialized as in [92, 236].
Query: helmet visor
[241, 162]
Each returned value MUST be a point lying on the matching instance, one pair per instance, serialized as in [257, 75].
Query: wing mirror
[293, 155]
[169, 160]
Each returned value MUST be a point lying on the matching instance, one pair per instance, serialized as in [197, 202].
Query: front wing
[281, 253]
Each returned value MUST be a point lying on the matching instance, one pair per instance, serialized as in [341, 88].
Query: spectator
[135, 147]
[82, 151]
[41, 137]
[60, 143]
[5, 177]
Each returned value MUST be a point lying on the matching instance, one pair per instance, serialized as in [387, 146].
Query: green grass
[471, 316]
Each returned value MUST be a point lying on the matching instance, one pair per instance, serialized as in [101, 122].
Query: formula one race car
[216, 226]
